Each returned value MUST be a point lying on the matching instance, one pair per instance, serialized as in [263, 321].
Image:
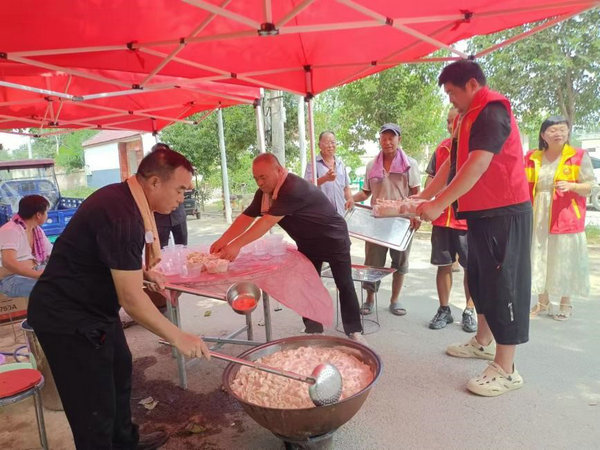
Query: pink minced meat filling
[274, 391]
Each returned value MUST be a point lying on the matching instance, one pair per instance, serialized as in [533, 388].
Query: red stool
[17, 385]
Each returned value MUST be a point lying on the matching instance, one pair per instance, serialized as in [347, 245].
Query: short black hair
[30, 205]
[460, 72]
[162, 162]
[160, 145]
[323, 133]
[552, 120]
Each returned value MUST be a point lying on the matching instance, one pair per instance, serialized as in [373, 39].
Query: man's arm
[128, 285]
[258, 229]
[475, 166]
[361, 196]
[238, 226]
[24, 268]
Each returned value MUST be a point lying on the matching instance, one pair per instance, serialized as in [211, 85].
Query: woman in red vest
[560, 178]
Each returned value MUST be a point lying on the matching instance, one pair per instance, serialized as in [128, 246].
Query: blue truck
[35, 176]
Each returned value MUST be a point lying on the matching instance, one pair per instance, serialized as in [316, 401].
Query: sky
[12, 141]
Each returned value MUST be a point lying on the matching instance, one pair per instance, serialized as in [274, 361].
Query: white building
[112, 156]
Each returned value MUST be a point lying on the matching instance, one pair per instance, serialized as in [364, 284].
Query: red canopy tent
[301, 46]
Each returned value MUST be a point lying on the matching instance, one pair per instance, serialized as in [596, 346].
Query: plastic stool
[19, 384]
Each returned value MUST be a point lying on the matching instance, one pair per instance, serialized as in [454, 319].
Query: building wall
[99, 178]
[102, 157]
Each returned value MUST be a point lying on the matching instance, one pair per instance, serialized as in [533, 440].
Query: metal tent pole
[260, 125]
[302, 135]
[311, 138]
[224, 175]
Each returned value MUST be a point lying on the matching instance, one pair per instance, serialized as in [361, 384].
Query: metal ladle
[325, 380]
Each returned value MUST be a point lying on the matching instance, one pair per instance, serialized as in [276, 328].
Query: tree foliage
[551, 72]
[200, 143]
[66, 149]
[407, 95]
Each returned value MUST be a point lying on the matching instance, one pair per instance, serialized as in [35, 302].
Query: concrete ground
[420, 401]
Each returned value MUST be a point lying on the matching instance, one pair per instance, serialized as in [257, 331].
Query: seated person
[24, 248]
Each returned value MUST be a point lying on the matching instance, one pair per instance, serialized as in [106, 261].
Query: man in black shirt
[310, 219]
[96, 268]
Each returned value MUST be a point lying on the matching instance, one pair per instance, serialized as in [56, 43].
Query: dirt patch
[179, 412]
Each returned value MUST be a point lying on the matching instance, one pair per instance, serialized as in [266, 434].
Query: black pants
[180, 234]
[341, 268]
[500, 274]
[92, 371]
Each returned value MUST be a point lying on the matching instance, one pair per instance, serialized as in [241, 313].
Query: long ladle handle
[258, 366]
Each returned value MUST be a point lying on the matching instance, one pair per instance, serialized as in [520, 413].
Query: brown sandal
[541, 308]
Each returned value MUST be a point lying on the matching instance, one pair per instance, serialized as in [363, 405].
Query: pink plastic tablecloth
[291, 279]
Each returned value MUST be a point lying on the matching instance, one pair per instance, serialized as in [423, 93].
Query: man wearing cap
[392, 175]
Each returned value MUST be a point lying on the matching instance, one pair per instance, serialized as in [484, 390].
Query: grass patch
[78, 192]
[592, 233]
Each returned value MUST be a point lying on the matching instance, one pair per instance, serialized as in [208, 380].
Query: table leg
[249, 329]
[174, 316]
[267, 311]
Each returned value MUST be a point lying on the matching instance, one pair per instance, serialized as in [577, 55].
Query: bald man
[310, 219]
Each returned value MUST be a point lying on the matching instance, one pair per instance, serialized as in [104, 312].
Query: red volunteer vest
[504, 182]
[567, 211]
[447, 218]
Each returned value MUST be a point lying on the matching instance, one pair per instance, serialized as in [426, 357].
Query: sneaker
[473, 349]
[442, 318]
[494, 381]
[469, 322]
[358, 337]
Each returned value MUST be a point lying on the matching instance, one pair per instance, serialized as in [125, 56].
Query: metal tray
[391, 232]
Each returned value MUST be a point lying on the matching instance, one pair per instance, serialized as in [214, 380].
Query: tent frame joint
[268, 29]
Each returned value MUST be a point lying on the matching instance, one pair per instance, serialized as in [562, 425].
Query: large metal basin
[308, 422]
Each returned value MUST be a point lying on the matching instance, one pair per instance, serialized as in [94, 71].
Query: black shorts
[446, 244]
[500, 274]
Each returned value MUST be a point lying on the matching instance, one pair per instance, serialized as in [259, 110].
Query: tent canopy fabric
[157, 57]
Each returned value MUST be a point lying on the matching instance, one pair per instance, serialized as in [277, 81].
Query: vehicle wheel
[596, 199]
[198, 215]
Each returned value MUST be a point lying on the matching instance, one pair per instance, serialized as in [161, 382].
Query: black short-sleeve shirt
[309, 217]
[76, 290]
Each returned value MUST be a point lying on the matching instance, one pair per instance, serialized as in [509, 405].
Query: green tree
[200, 143]
[551, 72]
[407, 95]
[70, 153]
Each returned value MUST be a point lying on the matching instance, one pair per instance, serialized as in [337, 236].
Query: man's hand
[191, 345]
[329, 176]
[230, 251]
[429, 210]
[158, 281]
[415, 223]
[349, 204]
[218, 245]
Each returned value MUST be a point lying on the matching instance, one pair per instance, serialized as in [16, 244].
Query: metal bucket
[50, 397]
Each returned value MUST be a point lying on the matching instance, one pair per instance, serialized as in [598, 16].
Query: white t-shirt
[14, 237]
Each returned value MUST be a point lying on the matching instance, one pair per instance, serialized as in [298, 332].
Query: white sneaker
[358, 337]
[473, 349]
[495, 381]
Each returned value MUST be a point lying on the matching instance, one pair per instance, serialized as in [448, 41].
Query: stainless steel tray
[391, 232]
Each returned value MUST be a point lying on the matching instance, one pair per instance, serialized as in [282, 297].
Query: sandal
[541, 308]
[367, 308]
[397, 309]
[564, 313]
